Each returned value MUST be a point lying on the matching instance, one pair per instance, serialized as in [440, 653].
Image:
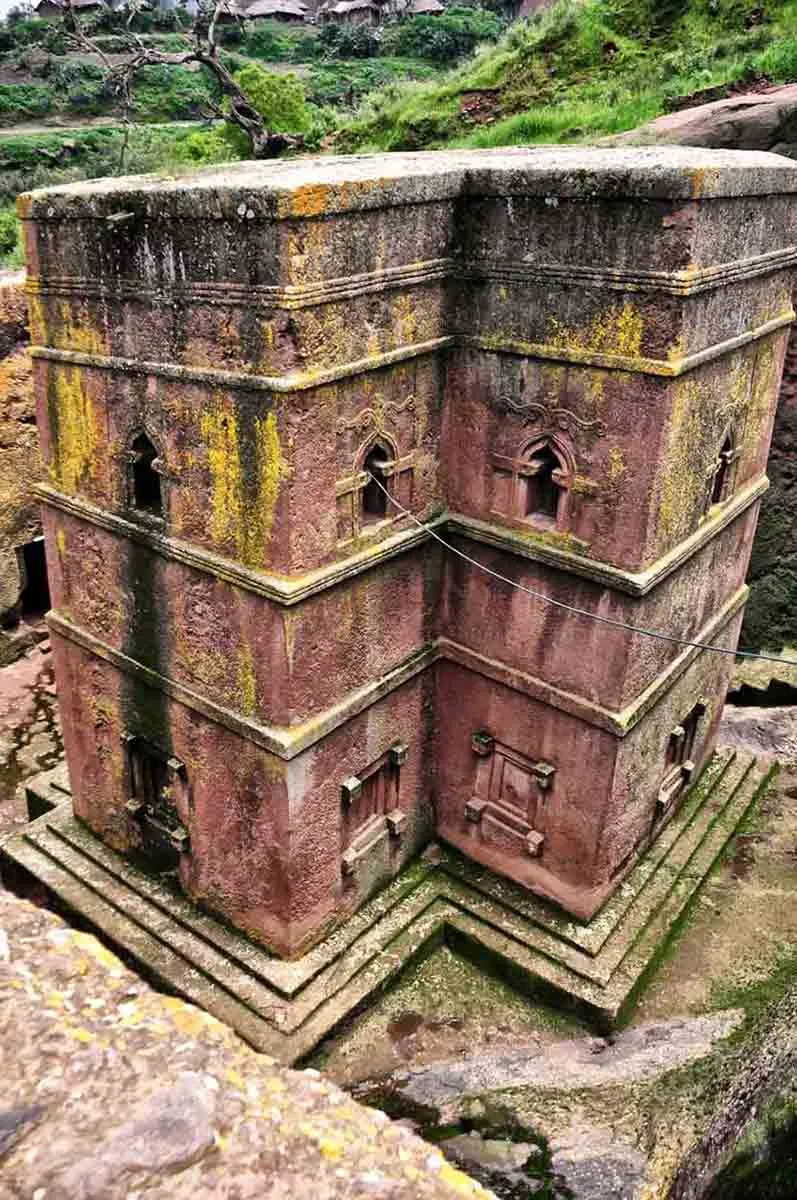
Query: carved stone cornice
[690, 281]
[287, 742]
[297, 381]
[287, 590]
[554, 416]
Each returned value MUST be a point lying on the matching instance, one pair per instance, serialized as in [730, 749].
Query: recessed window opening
[682, 741]
[149, 775]
[720, 485]
[35, 598]
[374, 500]
[146, 484]
[543, 488]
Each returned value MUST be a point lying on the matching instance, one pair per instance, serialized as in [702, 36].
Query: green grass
[343, 83]
[579, 71]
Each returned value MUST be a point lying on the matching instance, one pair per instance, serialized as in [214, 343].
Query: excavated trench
[491, 1141]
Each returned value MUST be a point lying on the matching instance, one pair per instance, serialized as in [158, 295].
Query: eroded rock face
[748, 1150]
[771, 617]
[20, 458]
[109, 1087]
[758, 121]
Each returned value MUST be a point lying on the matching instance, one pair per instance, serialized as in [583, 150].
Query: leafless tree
[201, 46]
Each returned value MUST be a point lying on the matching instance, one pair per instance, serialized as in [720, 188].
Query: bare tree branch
[204, 51]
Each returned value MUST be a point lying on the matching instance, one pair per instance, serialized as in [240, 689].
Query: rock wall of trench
[20, 460]
[771, 616]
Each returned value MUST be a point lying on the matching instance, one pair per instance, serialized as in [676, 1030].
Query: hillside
[581, 70]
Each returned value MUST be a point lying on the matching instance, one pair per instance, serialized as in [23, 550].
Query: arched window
[374, 500]
[145, 482]
[542, 498]
[546, 477]
[721, 482]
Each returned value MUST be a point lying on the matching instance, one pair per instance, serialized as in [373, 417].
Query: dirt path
[26, 127]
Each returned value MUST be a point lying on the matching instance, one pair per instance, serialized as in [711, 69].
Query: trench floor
[30, 731]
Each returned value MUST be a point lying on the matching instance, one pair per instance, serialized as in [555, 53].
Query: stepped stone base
[285, 1008]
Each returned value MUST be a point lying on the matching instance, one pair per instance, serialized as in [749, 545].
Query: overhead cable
[657, 634]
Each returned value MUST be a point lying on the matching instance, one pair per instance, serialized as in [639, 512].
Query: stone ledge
[289, 590]
[315, 188]
[302, 381]
[692, 281]
[94, 1106]
[287, 741]
[286, 1008]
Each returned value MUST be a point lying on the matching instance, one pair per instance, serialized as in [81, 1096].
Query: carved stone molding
[552, 415]
[376, 416]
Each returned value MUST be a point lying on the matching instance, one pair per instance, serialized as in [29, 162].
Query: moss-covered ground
[736, 949]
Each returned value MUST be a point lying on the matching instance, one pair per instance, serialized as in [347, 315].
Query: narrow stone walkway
[30, 730]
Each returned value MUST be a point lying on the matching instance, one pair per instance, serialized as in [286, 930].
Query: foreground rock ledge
[110, 1088]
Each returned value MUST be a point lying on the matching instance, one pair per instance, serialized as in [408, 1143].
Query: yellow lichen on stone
[289, 634]
[242, 503]
[617, 465]
[309, 200]
[273, 469]
[73, 431]
[38, 320]
[220, 431]
[704, 410]
[77, 334]
[461, 1183]
[617, 331]
[247, 681]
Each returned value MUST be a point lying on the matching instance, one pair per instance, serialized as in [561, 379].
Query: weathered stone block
[261, 393]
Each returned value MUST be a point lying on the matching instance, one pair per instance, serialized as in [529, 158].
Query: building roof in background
[268, 8]
[346, 6]
[74, 3]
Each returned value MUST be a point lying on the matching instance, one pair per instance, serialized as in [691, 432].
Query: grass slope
[581, 70]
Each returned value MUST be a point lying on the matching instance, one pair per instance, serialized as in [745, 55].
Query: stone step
[159, 961]
[286, 977]
[61, 841]
[644, 952]
[285, 1008]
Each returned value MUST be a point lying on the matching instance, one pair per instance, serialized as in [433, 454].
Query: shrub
[279, 99]
[275, 43]
[779, 61]
[344, 84]
[350, 41]
[9, 233]
[89, 98]
[449, 36]
[20, 101]
[171, 93]
[67, 74]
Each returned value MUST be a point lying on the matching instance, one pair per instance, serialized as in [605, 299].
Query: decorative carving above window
[508, 795]
[551, 415]
[376, 415]
[535, 487]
